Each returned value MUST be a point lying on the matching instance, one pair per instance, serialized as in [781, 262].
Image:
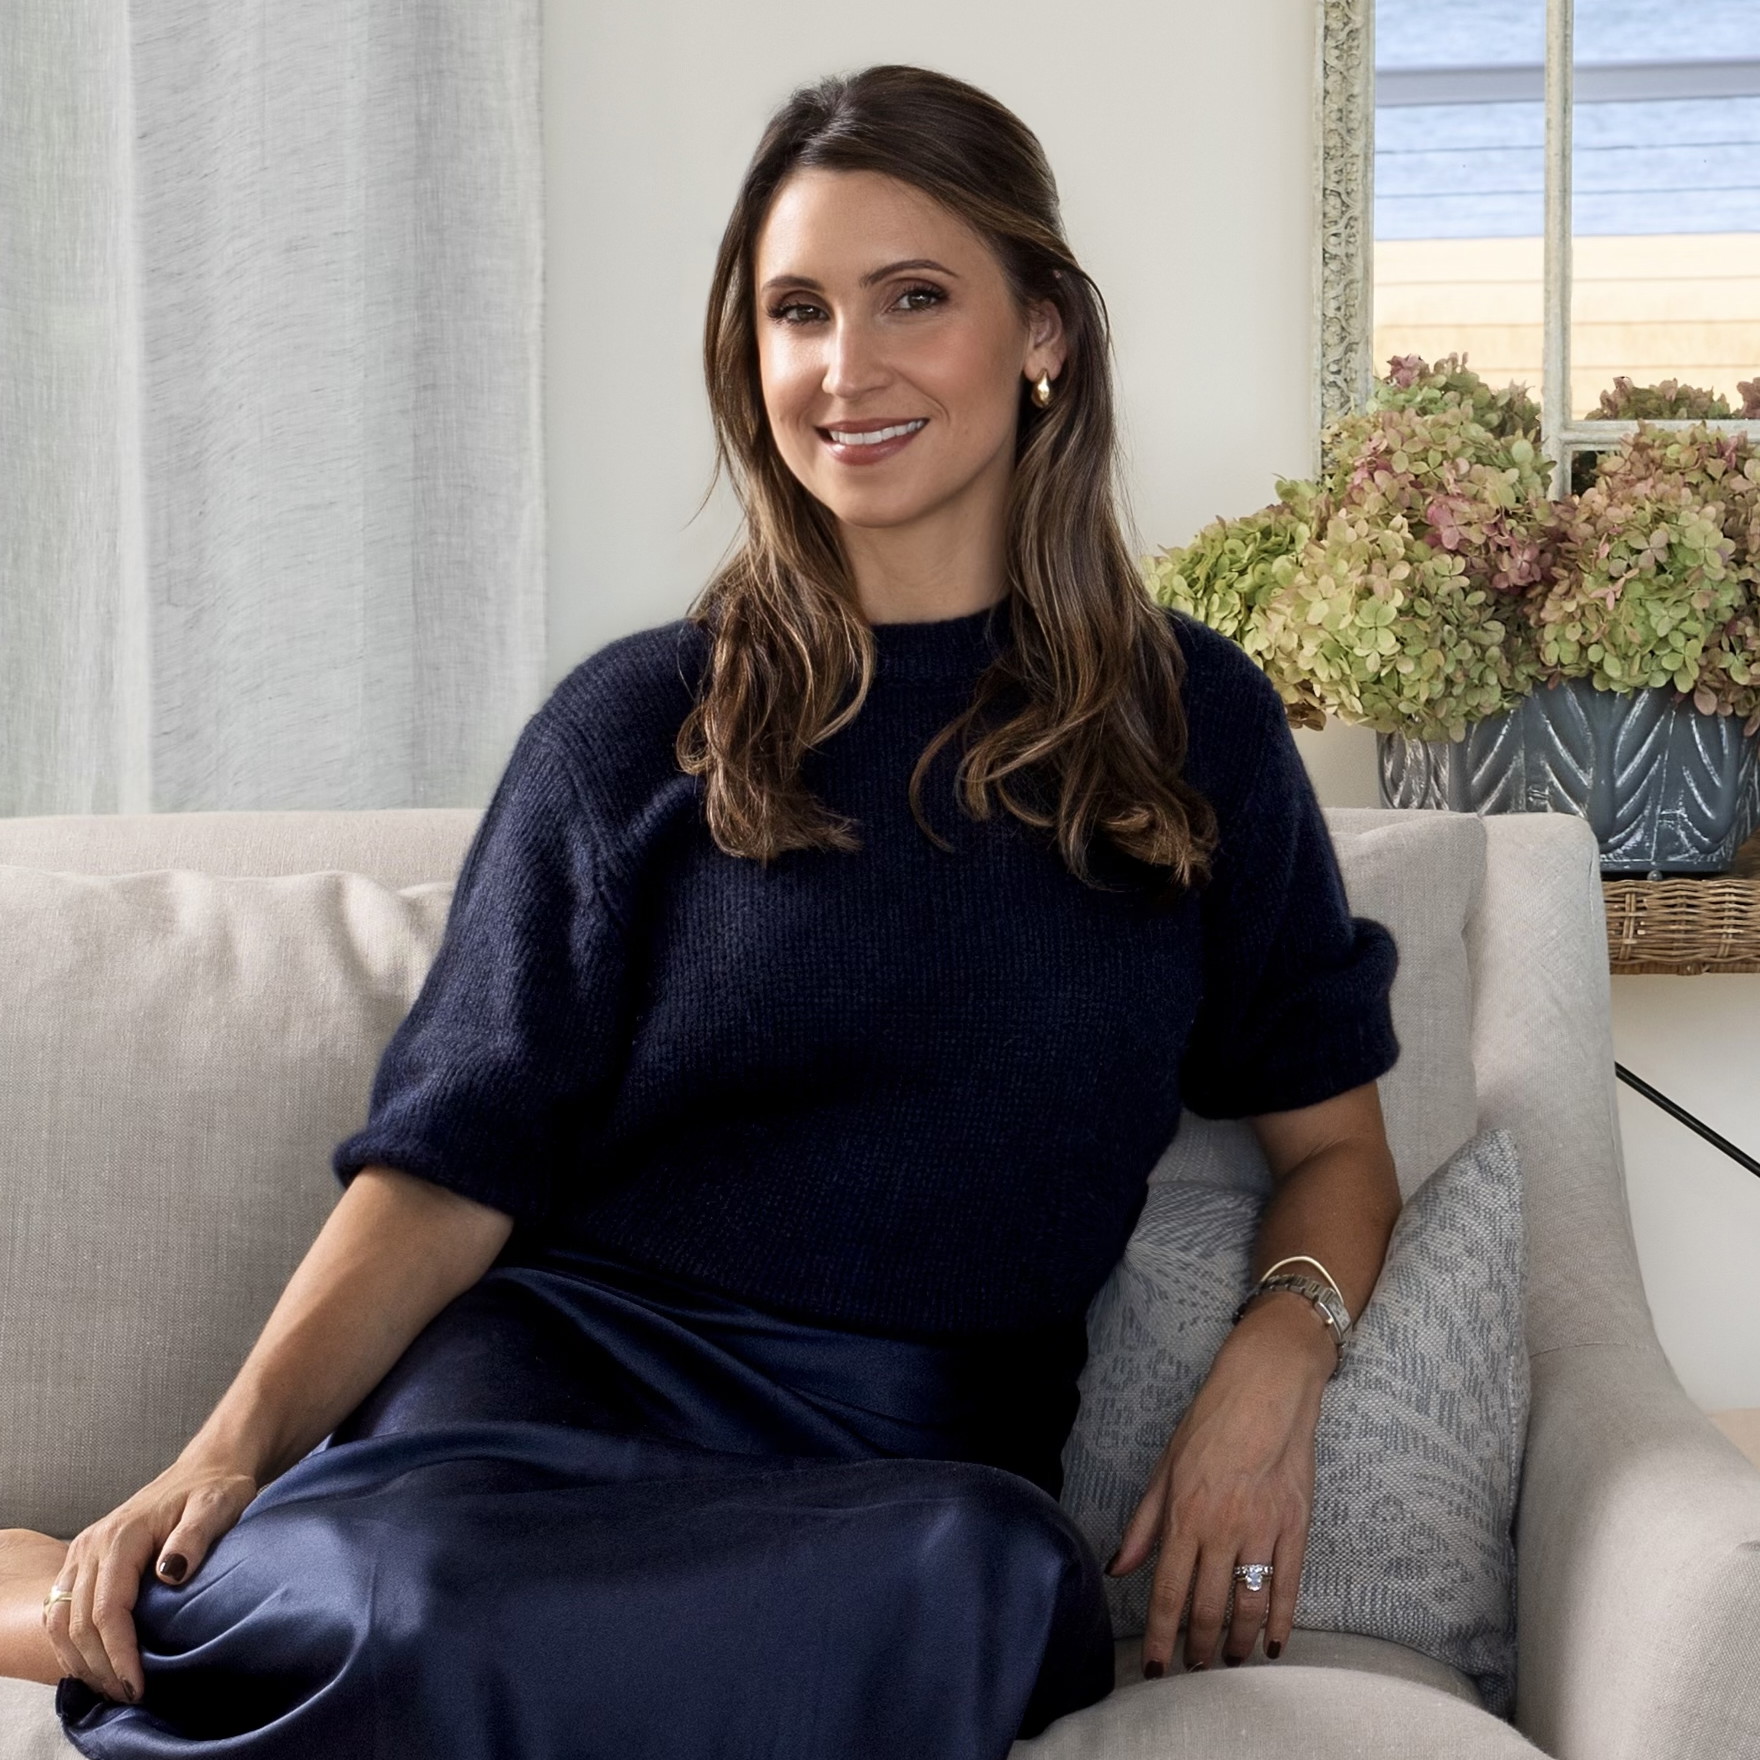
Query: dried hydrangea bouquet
[1597, 654]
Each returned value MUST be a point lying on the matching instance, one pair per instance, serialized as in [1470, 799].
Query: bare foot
[28, 1563]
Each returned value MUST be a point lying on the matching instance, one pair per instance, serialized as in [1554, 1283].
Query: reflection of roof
[1659, 147]
[1595, 83]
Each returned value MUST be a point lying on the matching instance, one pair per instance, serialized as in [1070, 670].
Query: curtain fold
[271, 519]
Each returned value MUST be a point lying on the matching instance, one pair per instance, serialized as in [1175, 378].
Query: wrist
[233, 1443]
[1287, 1324]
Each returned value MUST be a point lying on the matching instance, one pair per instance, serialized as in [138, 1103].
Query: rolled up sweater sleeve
[1295, 1007]
[491, 1078]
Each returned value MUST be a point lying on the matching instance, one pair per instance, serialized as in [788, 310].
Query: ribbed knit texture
[905, 1089]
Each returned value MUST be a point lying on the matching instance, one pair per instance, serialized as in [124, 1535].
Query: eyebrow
[868, 280]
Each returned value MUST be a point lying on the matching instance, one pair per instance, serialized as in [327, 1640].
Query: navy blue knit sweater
[904, 1089]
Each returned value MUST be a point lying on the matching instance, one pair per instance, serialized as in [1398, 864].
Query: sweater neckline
[943, 650]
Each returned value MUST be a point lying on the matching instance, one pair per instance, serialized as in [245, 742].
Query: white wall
[1696, 1213]
[1179, 130]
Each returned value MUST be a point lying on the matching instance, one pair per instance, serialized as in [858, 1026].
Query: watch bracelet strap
[1315, 1291]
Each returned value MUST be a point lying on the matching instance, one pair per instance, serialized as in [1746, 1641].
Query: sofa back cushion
[1421, 874]
[178, 1054]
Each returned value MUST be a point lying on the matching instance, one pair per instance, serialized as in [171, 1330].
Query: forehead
[825, 223]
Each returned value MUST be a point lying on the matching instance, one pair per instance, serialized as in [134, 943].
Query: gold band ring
[57, 1593]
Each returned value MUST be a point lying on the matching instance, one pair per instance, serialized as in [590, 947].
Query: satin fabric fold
[593, 1514]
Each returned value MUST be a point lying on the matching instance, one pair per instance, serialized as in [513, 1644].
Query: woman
[685, 1368]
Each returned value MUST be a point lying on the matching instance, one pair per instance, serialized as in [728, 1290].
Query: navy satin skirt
[596, 1514]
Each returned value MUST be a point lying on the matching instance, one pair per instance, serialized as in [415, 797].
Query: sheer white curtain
[271, 518]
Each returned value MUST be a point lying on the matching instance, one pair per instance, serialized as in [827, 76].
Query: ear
[1047, 343]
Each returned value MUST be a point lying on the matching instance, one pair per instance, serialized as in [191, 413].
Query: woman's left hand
[1235, 1485]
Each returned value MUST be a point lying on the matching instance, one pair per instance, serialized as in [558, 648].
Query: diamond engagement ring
[1254, 1576]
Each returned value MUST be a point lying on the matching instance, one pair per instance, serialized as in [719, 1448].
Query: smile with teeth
[843, 437]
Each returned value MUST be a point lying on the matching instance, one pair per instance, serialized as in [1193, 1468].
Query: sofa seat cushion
[1344, 1699]
[1274, 1713]
[1311, 1649]
[29, 1728]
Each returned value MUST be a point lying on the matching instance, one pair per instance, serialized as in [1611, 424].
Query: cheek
[982, 388]
[975, 379]
[788, 379]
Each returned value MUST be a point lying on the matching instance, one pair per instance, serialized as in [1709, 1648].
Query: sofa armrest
[1638, 1567]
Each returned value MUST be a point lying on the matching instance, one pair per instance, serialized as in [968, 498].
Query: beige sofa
[191, 1006]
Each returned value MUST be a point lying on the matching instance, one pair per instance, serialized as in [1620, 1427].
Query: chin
[871, 519]
[876, 512]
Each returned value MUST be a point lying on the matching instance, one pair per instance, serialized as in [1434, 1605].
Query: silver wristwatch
[1322, 1295]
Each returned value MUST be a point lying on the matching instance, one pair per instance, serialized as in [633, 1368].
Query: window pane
[1666, 195]
[1459, 183]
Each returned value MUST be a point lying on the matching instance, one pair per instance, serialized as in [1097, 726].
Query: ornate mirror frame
[1344, 170]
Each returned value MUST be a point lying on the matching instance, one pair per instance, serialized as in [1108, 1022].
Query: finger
[1286, 1583]
[207, 1515]
[55, 1612]
[119, 1578]
[82, 1630]
[1138, 1539]
[1209, 1604]
[1167, 1601]
[1250, 1605]
[186, 1545]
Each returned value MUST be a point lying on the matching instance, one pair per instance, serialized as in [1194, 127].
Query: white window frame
[1344, 242]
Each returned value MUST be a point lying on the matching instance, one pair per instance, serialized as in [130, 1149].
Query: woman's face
[881, 310]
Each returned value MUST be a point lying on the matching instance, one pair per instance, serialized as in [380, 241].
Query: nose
[854, 361]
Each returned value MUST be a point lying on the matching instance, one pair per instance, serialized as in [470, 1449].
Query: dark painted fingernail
[1151, 1671]
[1274, 1649]
[1234, 1661]
[173, 1565]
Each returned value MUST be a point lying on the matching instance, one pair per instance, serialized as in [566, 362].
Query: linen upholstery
[178, 1052]
[1638, 1531]
[1421, 877]
[1633, 1506]
[1278, 1711]
[1420, 1439]
[29, 1729]
[1311, 1649]
[397, 847]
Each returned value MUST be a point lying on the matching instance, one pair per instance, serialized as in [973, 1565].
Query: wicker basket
[1687, 924]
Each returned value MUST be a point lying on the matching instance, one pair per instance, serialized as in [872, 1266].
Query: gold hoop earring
[1042, 390]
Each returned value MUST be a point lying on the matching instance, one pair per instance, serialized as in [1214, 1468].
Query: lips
[868, 442]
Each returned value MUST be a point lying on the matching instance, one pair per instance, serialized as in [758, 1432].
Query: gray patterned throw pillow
[1419, 1449]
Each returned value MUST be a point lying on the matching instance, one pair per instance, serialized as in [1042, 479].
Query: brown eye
[932, 296]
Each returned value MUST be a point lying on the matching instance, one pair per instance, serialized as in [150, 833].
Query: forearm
[395, 1250]
[1338, 1206]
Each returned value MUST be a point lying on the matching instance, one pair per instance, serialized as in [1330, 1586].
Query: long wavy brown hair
[1078, 725]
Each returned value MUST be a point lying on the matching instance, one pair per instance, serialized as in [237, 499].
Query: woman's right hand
[167, 1526]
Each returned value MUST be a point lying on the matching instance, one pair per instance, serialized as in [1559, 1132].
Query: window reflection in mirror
[1666, 192]
[1665, 197]
[1460, 169]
